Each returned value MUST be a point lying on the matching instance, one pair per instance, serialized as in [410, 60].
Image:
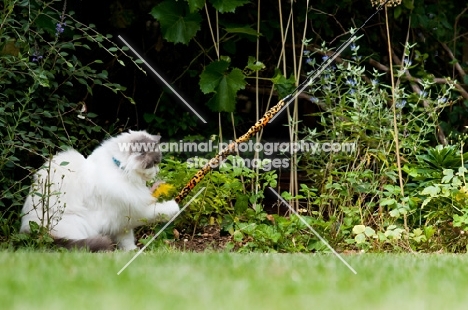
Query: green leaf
[431, 191]
[224, 6]
[448, 175]
[394, 213]
[177, 25]
[360, 238]
[195, 5]
[149, 117]
[387, 202]
[369, 231]
[358, 229]
[283, 86]
[209, 79]
[243, 30]
[242, 203]
[217, 79]
[397, 12]
[254, 65]
[238, 236]
[408, 4]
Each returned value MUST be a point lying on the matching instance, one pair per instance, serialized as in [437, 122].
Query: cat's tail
[93, 244]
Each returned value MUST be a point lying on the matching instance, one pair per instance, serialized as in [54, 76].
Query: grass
[174, 280]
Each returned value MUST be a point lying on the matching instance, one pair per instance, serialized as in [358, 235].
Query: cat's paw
[167, 209]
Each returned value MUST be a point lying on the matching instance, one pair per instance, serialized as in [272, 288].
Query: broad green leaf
[448, 175]
[217, 79]
[369, 231]
[227, 6]
[358, 229]
[394, 213]
[387, 202]
[211, 76]
[431, 191]
[195, 5]
[177, 25]
[360, 238]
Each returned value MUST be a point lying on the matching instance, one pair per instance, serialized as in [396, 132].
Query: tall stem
[395, 126]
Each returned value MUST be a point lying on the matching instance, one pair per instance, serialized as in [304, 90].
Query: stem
[215, 43]
[293, 122]
[395, 126]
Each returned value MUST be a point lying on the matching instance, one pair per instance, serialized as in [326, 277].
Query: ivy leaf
[195, 5]
[177, 25]
[227, 6]
[283, 85]
[217, 79]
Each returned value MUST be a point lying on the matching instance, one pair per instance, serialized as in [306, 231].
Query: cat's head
[139, 153]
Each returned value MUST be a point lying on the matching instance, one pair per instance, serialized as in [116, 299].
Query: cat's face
[144, 154]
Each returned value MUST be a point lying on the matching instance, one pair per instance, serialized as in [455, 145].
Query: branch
[457, 66]
[410, 78]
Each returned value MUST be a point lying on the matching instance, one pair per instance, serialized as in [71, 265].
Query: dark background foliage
[40, 101]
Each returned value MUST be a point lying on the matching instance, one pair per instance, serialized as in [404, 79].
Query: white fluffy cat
[97, 202]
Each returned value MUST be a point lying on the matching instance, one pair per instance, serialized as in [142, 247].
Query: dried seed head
[382, 2]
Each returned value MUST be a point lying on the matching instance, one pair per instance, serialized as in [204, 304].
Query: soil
[209, 239]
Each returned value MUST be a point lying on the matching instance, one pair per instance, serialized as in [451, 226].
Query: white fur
[90, 197]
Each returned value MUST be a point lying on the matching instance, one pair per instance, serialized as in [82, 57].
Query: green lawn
[174, 280]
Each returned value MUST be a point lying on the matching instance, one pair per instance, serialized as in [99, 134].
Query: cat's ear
[157, 138]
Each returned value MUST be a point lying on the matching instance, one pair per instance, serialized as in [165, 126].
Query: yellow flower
[163, 190]
[461, 194]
